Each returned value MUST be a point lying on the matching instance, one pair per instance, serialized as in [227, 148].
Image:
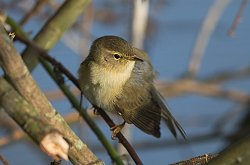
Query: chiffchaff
[118, 78]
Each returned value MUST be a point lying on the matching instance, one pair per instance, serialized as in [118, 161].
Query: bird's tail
[171, 122]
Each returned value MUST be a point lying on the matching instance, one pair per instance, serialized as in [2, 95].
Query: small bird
[118, 78]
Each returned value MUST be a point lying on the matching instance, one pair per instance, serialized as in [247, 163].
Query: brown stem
[3, 160]
[237, 18]
[120, 136]
[62, 69]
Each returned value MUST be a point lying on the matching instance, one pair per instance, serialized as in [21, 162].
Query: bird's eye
[116, 56]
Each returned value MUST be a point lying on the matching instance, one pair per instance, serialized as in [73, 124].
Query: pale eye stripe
[114, 52]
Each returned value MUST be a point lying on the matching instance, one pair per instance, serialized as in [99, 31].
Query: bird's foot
[95, 110]
[116, 129]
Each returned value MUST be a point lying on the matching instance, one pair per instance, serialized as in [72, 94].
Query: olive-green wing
[167, 116]
[141, 111]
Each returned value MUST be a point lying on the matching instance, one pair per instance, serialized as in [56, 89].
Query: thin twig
[35, 9]
[215, 79]
[15, 103]
[121, 138]
[164, 143]
[183, 86]
[62, 69]
[207, 29]
[54, 62]
[4, 161]
[236, 21]
[227, 75]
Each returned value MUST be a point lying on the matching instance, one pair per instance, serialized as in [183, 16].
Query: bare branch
[54, 29]
[228, 75]
[18, 74]
[184, 86]
[62, 69]
[17, 134]
[237, 18]
[238, 153]
[4, 161]
[203, 159]
[35, 10]
[121, 138]
[207, 29]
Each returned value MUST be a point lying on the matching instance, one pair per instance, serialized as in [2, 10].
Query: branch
[216, 79]
[54, 29]
[207, 29]
[4, 161]
[75, 103]
[238, 153]
[37, 126]
[228, 75]
[34, 10]
[199, 160]
[236, 21]
[19, 76]
[112, 152]
[17, 134]
[121, 138]
[34, 124]
[164, 143]
[184, 86]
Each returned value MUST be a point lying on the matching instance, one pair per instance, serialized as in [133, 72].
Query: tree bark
[54, 28]
[238, 153]
[36, 106]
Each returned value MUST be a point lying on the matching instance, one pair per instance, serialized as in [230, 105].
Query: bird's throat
[107, 84]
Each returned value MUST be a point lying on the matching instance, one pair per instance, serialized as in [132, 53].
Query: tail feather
[171, 122]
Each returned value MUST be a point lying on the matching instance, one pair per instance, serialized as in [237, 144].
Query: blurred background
[200, 50]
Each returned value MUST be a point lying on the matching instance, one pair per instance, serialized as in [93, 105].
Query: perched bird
[118, 78]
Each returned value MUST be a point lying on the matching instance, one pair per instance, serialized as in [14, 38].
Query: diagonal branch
[4, 161]
[237, 18]
[35, 9]
[21, 79]
[207, 29]
[113, 154]
[62, 69]
[54, 29]
[237, 153]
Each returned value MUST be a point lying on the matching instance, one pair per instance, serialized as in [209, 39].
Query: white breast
[105, 85]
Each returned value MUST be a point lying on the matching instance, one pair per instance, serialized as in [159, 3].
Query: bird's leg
[116, 129]
[95, 110]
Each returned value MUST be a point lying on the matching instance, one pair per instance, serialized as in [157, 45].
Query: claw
[95, 111]
[116, 129]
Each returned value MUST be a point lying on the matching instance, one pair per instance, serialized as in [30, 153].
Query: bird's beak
[135, 58]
